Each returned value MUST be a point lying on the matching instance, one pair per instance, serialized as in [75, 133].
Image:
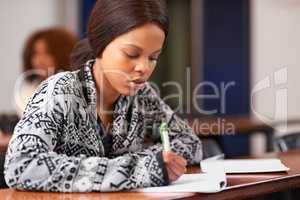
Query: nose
[38, 62]
[143, 66]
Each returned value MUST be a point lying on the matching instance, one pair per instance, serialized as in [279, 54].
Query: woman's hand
[176, 165]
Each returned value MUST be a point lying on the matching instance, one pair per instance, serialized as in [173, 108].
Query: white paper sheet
[245, 165]
[204, 183]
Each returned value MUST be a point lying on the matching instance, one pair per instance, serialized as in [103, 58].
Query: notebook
[214, 177]
[245, 165]
[201, 182]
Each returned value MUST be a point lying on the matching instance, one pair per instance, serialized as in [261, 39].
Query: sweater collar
[88, 84]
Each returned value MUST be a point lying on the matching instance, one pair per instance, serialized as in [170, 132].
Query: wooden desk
[260, 184]
[213, 126]
[8, 194]
[242, 124]
[241, 185]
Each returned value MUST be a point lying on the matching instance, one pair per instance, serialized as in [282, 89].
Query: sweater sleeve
[32, 163]
[183, 140]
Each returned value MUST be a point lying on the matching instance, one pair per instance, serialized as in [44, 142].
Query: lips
[139, 81]
[137, 84]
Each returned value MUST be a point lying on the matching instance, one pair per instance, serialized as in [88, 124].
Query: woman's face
[41, 58]
[129, 60]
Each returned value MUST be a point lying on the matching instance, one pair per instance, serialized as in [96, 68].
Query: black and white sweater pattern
[58, 143]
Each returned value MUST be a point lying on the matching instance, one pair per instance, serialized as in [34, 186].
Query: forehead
[148, 36]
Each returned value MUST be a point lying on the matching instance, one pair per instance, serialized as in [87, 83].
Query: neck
[106, 94]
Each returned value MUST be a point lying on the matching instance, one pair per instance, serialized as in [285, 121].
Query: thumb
[167, 156]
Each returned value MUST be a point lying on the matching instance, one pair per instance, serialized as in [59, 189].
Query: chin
[128, 92]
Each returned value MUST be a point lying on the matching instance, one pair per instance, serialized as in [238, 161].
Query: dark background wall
[226, 59]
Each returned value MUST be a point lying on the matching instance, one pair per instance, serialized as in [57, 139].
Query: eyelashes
[133, 56]
[136, 56]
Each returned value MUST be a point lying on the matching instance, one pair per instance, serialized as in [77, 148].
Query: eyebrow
[140, 49]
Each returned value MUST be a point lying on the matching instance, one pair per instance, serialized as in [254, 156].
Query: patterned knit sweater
[58, 145]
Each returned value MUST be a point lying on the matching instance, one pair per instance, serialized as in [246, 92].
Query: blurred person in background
[46, 52]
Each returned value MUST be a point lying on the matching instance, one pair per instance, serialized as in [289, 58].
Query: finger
[172, 178]
[173, 174]
[177, 163]
[180, 160]
[179, 166]
[170, 155]
[178, 171]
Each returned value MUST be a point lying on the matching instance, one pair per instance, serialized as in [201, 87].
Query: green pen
[164, 135]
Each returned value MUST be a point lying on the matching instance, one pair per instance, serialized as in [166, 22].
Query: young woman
[87, 130]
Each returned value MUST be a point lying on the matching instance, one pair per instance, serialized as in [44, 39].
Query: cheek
[118, 62]
[49, 61]
[119, 82]
[151, 70]
[42, 61]
[33, 61]
[116, 69]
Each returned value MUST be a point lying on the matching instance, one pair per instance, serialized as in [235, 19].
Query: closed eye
[132, 56]
[153, 59]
